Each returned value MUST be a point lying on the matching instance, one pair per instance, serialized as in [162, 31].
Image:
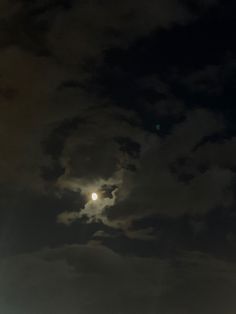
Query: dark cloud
[133, 101]
[54, 145]
[93, 278]
[89, 279]
[106, 190]
[28, 220]
[208, 282]
[169, 165]
[128, 146]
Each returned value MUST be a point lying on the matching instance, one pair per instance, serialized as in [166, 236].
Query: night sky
[135, 101]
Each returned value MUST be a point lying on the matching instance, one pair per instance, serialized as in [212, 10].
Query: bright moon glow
[94, 196]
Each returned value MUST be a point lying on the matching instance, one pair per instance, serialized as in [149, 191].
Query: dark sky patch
[205, 41]
[171, 55]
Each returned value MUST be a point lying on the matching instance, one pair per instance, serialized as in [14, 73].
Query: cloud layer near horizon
[80, 279]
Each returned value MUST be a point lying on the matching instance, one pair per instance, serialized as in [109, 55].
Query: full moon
[94, 196]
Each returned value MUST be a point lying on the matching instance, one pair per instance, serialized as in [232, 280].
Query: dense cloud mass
[80, 279]
[133, 101]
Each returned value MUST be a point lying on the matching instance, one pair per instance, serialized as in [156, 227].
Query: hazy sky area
[117, 157]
